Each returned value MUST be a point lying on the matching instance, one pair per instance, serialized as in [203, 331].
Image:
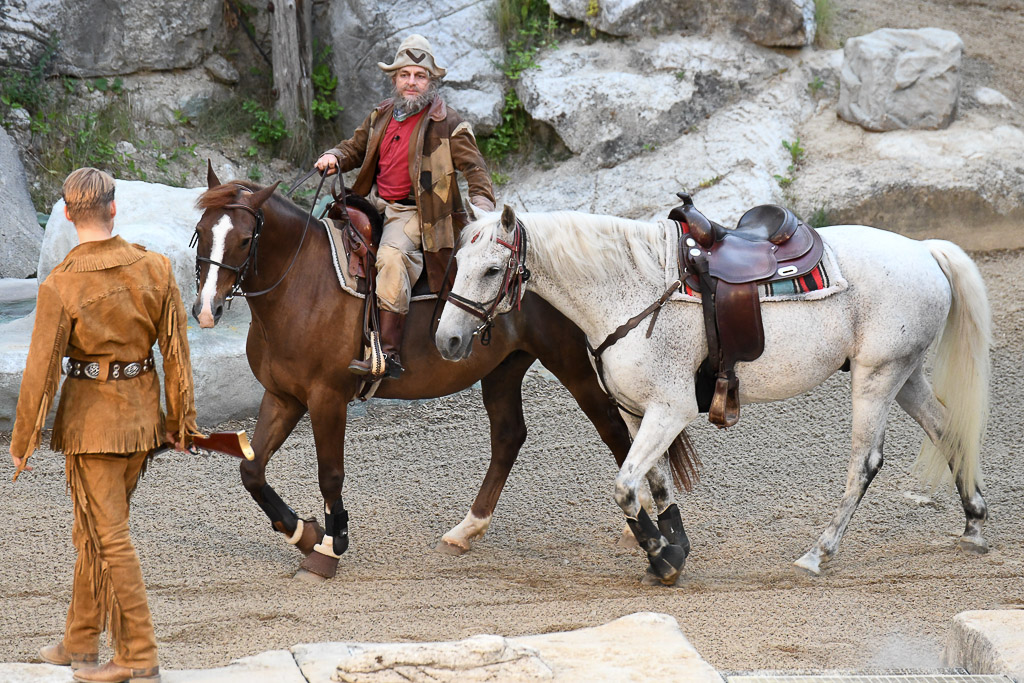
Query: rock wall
[20, 234]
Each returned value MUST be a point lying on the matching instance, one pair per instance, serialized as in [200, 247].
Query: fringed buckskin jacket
[444, 144]
[107, 301]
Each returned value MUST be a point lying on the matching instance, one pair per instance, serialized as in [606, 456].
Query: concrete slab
[275, 666]
[988, 642]
[615, 652]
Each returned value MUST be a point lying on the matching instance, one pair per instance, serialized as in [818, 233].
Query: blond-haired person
[98, 315]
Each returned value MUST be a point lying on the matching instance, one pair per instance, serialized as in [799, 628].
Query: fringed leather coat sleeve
[42, 372]
[178, 387]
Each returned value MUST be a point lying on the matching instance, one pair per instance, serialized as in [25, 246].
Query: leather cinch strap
[118, 369]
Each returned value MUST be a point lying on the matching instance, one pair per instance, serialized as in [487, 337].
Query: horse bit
[516, 274]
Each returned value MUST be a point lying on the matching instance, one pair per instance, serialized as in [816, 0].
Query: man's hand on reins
[327, 164]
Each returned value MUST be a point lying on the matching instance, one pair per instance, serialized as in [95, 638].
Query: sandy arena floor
[221, 581]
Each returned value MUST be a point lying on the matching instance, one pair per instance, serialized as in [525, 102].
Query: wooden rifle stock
[230, 443]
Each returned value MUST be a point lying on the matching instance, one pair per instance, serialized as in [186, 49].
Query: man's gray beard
[405, 108]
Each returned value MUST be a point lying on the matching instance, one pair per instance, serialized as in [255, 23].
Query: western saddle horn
[726, 266]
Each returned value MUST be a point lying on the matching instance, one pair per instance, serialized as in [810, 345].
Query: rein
[624, 329]
[515, 276]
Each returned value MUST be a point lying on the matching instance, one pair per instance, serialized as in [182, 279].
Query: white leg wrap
[326, 547]
[298, 533]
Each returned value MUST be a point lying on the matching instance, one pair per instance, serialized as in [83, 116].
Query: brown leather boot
[56, 654]
[391, 326]
[115, 673]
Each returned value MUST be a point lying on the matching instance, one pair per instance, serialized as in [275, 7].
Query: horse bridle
[516, 275]
[242, 269]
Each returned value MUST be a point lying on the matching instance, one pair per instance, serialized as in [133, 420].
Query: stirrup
[725, 406]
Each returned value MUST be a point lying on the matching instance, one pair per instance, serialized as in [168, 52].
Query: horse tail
[684, 462]
[961, 376]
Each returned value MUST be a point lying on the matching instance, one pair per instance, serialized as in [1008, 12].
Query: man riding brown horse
[408, 150]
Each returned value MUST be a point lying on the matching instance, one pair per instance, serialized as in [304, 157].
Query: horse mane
[227, 193]
[581, 245]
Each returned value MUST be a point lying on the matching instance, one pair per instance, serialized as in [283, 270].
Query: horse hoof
[308, 577]
[450, 548]
[809, 563]
[312, 533]
[651, 578]
[320, 564]
[667, 565]
[973, 546]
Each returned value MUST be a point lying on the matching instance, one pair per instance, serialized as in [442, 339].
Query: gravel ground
[221, 582]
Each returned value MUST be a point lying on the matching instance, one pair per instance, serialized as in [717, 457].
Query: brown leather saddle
[770, 243]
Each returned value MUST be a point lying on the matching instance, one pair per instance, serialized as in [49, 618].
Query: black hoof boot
[667, 560]
[671, 525]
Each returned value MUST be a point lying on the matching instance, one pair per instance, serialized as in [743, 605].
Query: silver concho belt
[117, 369]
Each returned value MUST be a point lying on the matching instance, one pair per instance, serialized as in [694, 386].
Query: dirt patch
[221, 583]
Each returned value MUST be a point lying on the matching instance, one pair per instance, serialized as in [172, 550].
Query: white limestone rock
[100, 38]
[777, 23]
[635, 18]
[612, 102]
[20, 234]
[462, 35]
[901, 78]
[987, 642]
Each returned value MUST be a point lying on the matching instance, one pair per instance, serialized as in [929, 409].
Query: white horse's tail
[961, 374]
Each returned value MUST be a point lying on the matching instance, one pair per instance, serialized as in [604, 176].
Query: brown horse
[306, 329]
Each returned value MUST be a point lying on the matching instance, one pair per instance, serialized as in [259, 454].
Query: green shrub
[324, 84]
[267, 128]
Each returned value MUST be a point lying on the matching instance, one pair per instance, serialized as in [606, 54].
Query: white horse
[902, 295]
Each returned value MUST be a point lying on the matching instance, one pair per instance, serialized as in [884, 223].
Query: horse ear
[508, 218]
[211, 178]
[263, 195]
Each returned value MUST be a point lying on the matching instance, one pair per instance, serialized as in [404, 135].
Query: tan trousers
[108, 591]
[399, 256]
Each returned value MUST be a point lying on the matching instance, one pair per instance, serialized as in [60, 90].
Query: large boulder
[901, 78]
[464, 39]
[20, 234]
[779, 23]
[636, 18]
[102, 38]
[612, 102]
[961, 183]
[728, 161]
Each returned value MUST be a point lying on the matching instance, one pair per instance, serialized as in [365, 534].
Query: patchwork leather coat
[107, 301]
[444, 144]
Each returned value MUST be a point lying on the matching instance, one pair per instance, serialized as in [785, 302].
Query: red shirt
[393, 180]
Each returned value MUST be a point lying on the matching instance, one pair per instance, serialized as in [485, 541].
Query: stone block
[20, 234]
[987, 642]
[901, 78]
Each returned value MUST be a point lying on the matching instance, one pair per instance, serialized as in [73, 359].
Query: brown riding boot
[57, 654]
[391, 326]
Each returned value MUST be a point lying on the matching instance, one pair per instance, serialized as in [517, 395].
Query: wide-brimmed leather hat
[415, 51]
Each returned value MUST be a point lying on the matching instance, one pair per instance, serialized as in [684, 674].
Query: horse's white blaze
[220, 232]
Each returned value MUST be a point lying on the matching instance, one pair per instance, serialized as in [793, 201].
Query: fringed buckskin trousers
[108, 591]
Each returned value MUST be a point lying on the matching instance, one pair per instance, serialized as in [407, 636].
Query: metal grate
[945, 676]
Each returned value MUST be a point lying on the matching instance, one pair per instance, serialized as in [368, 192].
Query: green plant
[820, 218]
[796, 152]
[681, 74]
[324, 84]
[649, 147]
[510, 134]
[783, 181]
[181, 117]
[526, 26]
[815, 85]
[27, 89]
[267, 128]
[593, 8]
[255, 174]
[710, 182]
[824, 17]
[498, 179]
